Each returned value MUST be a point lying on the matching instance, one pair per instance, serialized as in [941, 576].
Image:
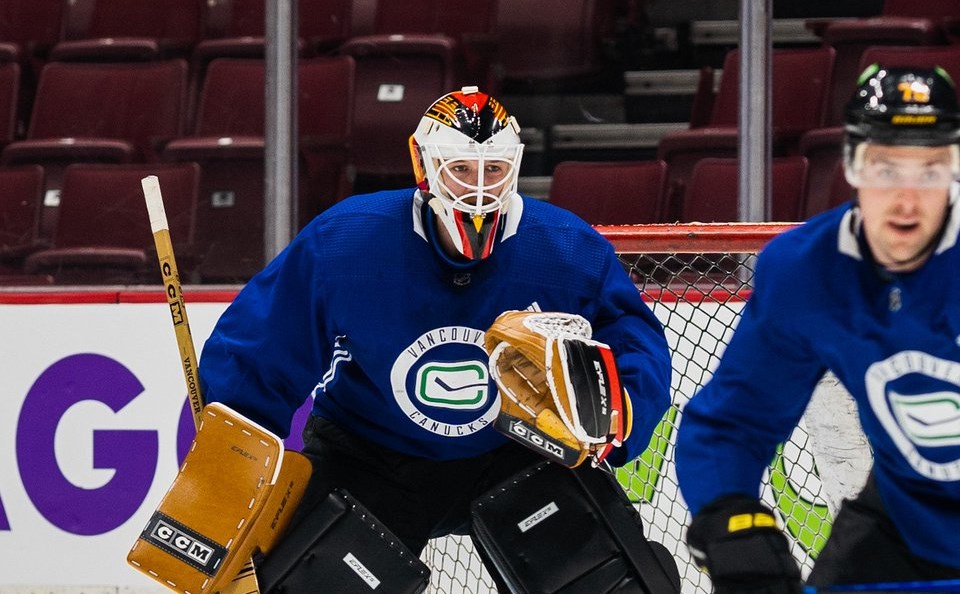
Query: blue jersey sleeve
[263, 354]
[730, 430]
[627, 324]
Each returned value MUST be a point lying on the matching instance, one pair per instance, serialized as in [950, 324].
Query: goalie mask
[902, 107]
[466, 158]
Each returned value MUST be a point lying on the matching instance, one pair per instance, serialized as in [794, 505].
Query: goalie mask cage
[696, 278]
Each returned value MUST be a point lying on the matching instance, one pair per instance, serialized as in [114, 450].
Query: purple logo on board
[132, 454]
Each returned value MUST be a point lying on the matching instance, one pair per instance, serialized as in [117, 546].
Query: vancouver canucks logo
[442, 383]
[919, 424]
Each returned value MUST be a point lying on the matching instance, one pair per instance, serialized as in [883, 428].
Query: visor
[902, 173]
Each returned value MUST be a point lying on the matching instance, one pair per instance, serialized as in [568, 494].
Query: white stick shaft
[151, 193]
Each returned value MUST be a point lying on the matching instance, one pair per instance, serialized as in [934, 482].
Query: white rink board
[49, 456]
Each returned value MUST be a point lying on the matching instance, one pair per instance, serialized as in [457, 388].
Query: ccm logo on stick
[184, 543]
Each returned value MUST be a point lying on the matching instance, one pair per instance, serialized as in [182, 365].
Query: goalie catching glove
[560, 391]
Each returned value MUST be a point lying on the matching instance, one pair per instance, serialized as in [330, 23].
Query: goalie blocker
[555, 530]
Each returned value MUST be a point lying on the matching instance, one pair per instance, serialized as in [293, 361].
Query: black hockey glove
[737, 541]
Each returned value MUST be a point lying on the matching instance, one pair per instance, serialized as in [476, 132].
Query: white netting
[696, 279]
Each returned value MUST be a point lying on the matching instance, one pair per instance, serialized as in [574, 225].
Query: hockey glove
[737, 541]
[560, 391]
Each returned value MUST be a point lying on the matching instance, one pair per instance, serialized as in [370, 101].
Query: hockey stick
[171, 281]
[932, 587]
[246, 581]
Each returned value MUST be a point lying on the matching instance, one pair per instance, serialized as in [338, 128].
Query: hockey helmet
[467, 127]
[902, 107]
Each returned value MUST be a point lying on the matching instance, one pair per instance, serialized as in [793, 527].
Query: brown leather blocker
[234, 495]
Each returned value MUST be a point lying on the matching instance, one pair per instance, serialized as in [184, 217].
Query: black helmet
[903, 106]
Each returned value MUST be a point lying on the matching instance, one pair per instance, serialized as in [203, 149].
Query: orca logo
[919, 420]
[458, 385]
[441, 382]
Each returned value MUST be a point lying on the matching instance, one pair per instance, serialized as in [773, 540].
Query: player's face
[465, 177]
[903, 193]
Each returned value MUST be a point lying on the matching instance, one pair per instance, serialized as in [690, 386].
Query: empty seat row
[491, 38]
[801, 96]
[101, 232]
[638, 192]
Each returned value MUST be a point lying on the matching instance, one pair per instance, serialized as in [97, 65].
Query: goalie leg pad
[234, 495]
[339, 547]
[552, 529]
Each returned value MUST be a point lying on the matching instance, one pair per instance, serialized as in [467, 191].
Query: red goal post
[689, 238]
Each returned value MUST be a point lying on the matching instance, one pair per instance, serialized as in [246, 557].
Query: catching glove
[737, 541]
[560, 391]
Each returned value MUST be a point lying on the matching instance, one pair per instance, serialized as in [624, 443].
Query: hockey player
[869, 291]
[377, 309]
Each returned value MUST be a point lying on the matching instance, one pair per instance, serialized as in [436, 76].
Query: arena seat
[800, 83]
[114, 112]
[823, 146]
[34, 25]
[901, 22]
[110, 30]
[228, 142]
[712, 193]
[321, 25]
[103, 235]
[611, 192]
[21, 192]
[95, 112]
[9, 100]
[551, 44]
[470, 24]
[397, 78]
[236, 29]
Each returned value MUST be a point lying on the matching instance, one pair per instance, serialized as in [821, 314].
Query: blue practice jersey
[360, 311]
[893, 340]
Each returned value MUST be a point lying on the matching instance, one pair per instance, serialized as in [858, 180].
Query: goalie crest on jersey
[560, 391]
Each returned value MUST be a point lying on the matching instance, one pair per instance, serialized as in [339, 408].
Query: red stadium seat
[800, 84]
[103, 235]
[103, 113]
[611, 193]
[228, 142]
[123, 30]
[21, 192]
[823, 146]
[91, 111]
[9, 100]
[546, 43]
[397, 77]
[34, 25]
[901, 22]
[470, 24]
[712, 194]
[322, 24]
[236, 29]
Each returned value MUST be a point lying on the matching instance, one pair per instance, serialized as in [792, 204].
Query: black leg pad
[553, 530]
[339, 547]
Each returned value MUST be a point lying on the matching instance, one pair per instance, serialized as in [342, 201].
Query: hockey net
[697, 278]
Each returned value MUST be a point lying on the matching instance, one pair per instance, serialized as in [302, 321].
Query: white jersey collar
[511, 216]
[851, 227]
